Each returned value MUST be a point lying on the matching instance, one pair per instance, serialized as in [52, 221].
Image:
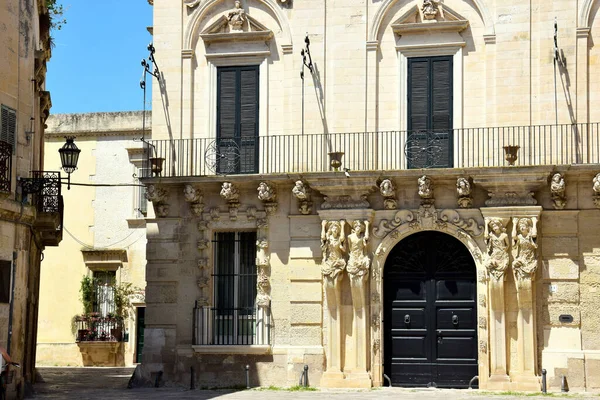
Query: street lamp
[69, 155]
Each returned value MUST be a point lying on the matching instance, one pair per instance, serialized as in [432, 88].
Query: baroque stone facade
[328, 209]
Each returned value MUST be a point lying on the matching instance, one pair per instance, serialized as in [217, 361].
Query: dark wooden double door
[430, 312]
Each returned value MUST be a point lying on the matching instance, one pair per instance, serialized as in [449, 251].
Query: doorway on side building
[430, 312]
[139, 333]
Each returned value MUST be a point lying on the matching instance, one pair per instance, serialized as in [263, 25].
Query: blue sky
[95, 64]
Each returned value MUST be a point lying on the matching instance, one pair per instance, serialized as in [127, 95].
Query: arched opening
[430, 312]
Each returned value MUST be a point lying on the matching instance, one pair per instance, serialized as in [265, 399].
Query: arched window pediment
[427, 20]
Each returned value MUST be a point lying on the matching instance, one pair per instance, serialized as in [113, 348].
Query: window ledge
[238, 349]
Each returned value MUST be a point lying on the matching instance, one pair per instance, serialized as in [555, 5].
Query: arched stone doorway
[430, 312]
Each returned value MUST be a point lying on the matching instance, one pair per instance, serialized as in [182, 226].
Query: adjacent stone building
[105, 241]
[396, 191]
[29, 219]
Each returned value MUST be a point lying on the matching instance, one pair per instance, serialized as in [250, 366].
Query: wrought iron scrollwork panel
[5, 166]
[428, 149]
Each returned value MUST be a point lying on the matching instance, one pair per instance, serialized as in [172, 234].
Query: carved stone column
[496, 263]
[524, 265]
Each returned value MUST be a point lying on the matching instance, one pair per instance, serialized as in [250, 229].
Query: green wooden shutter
[429, 112]
[8, 125]
[248, 119]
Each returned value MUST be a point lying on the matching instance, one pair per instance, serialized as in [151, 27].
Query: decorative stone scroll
[388, 191]
[463, 190]
[525, 260]
[498, 245]
[596, 189]
[230, 193]
[557, 191]
[268, 195]
[158, 196]
[427, 217]
[301, 191]
[194, 197]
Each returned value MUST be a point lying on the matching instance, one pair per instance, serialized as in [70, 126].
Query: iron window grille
[5, 166]
[234, 318]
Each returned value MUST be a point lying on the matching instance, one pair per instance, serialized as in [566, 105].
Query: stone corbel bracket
[268, 195]
[558, 190]
[388, 192]
[302, 193]
[158, 196]
[515, 189]
[426, 190]
[463, 191]
[344, 193]
[231, 194]
[596, 189]
[194, 196]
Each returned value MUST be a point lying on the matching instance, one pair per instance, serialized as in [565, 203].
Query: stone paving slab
[111, 383]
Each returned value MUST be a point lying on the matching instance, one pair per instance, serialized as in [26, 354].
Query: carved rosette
[483, 346]
[202, 263]
[596, 190]
[301, 192]
[481, 300]
[558, 191]
[268, 195]
[158, 196]
[376, 346]
[525, 259]
[482, 322]
[388, 192]
[498, 245]
[202, 244]
[463, 191]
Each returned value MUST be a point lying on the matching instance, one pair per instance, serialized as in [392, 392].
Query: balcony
[44, 186]
[232, 327]
[375, 151]
[95, 328]
[5, 167]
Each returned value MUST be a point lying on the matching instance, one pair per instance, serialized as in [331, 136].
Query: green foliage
[87, 293]
[56, 11]
[299, 388]
[122, 293]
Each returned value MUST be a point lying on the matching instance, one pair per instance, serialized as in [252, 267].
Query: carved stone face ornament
[229, 192]
[463, 190]
[596, 189]
[557, 191]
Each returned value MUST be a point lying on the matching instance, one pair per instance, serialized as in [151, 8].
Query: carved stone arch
[387, 5]
[394, 237]
[583, 20]
[191, 31]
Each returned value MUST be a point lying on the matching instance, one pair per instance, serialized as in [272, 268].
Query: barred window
[5, 281]
[104, 299]
[8, 125]
[234, 287]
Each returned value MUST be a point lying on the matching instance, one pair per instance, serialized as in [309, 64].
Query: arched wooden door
[430, 312]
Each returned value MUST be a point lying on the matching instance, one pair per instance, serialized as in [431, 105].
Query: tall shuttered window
[234, 279]
[430, 112]
[8, 125]
[237, 119]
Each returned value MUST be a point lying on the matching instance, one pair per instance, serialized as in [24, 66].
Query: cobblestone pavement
[111, 383]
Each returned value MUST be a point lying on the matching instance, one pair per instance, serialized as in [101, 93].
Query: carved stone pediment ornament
[525, 260]
[430, 15]
[427, 217]
[388, 191]
[596, 189]
[236, 25]
[301, 191]
[268, 195]
[431, 9]
[558, 191]
[498, 245]
[463, 191]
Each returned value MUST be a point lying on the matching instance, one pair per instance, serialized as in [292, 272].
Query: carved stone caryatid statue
[358, 261]
[333, 244]
[463, 190]
[596, 189]
[557, 191]
[431, 9]
[302, 192]
[525, 260]
[358, 270]
[497, 248]
[236, 17]
[388, 191]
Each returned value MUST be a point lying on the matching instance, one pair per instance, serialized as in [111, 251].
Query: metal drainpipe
[12, 300]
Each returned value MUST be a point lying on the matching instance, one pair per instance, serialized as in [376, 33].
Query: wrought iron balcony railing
[232, 326]
[5, 166]
[95, 328]
[366, 151]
